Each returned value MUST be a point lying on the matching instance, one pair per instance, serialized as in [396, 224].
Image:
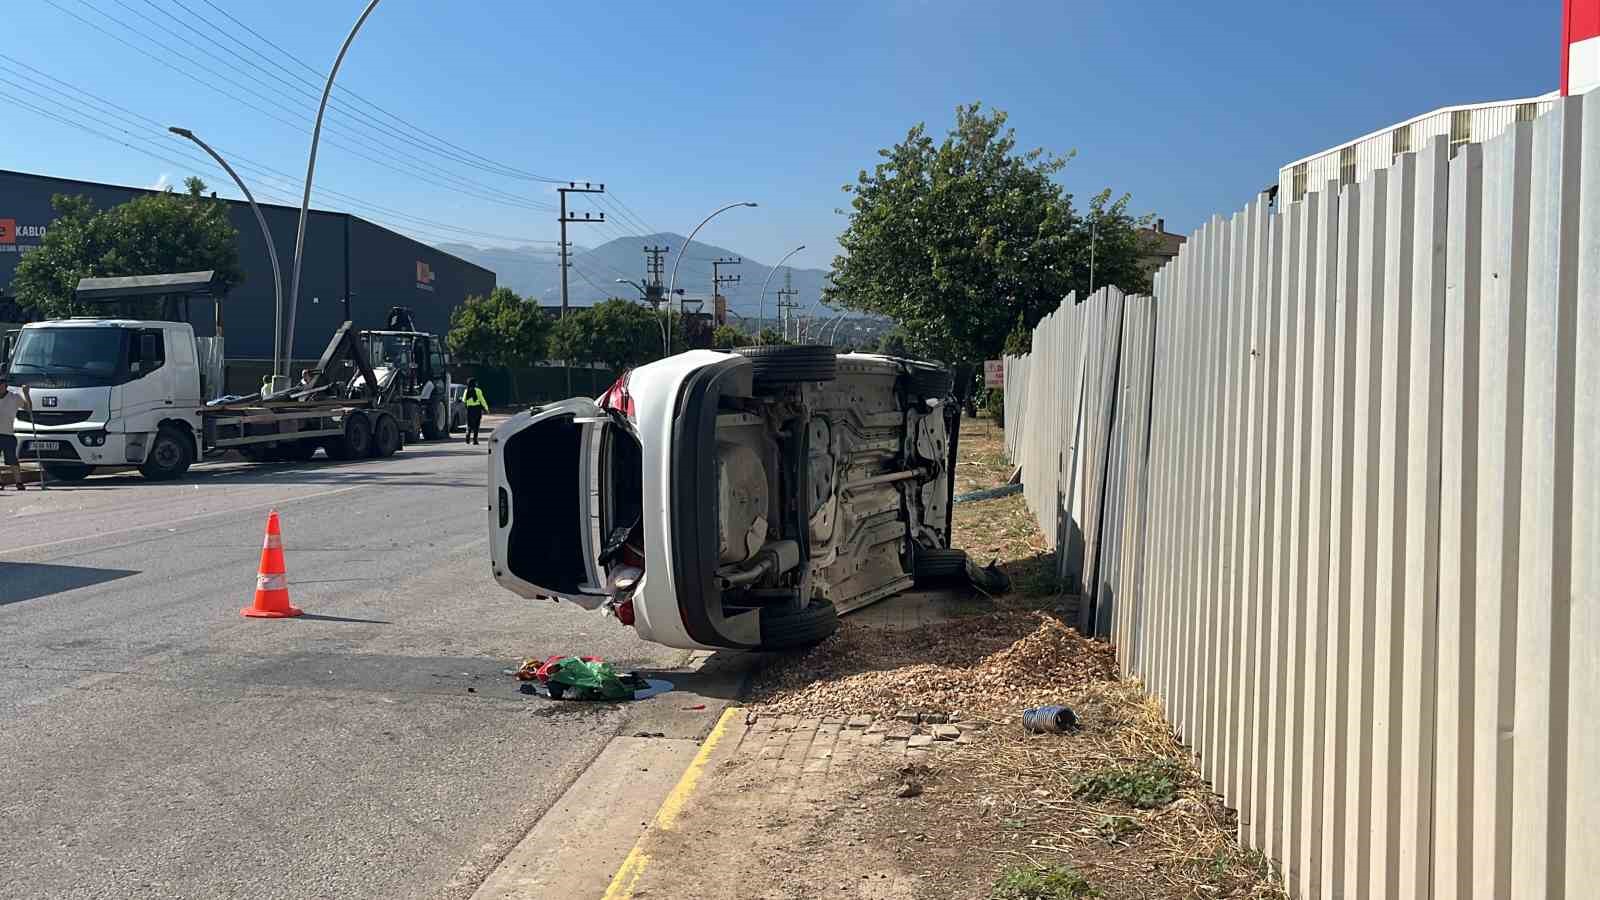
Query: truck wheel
[435, 423]
[67, 471]
[169, 456]
[783, 629]
[385, 436]
[357, 441]
[777, 364]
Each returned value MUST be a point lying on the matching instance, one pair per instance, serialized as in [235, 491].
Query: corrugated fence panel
[1330, 491]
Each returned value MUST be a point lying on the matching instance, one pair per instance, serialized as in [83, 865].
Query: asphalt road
[154, 743]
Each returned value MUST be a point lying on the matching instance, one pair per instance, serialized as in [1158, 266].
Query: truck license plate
[45, 445]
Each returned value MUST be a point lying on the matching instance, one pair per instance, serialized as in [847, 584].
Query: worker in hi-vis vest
[475, 407]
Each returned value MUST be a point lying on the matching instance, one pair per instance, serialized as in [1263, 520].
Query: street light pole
[761, 309]
[272, 250]
[673, 283]
[311, 168]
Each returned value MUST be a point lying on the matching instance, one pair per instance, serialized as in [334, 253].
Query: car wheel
[67, 471]
[776, 364]
[934, 564]
[169, 457]
[787, 628]
[385, 436]
[930, 383]
[435, 423]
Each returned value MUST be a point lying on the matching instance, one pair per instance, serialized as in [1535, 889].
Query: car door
[544, 502]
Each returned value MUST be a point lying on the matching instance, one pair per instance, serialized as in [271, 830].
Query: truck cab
[108, 392]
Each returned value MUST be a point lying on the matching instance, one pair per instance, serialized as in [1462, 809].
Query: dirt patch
[1116, 809]
[987, 667]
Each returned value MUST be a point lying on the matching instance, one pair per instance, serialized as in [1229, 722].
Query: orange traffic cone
[272, 583]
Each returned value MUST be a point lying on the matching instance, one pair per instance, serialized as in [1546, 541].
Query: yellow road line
[627, 877]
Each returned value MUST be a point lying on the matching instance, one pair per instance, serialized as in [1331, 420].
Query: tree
[959, 240]
[727, 337]
[893, 343]
[150, 235]
[617, 333]
[501, 329]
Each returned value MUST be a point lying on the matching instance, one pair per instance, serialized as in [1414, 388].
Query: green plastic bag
[581, 680]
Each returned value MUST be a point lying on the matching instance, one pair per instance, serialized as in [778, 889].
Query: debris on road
[581, 678]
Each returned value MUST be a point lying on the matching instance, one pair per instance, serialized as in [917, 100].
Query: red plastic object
[543, 672]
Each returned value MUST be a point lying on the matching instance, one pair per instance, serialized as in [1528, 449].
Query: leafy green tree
[893, 343]
[617, 333]
[727, 337]
[768, 336]
[149, 235]
[959, 240]
[501, 329]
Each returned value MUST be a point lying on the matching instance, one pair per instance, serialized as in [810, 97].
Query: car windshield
[70, 357]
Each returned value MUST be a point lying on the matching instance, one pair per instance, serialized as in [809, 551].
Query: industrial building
[353, 269]
[1354, 160]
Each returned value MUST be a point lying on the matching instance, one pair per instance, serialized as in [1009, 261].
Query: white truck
[124, 392]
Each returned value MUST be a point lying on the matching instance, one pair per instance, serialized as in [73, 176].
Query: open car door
[545, 492]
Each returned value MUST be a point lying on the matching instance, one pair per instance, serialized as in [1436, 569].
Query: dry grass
[1019, 798]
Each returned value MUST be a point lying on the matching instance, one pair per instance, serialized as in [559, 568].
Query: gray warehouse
[353, 268]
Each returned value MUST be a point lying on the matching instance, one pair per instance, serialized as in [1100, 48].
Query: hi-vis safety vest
[476, 398]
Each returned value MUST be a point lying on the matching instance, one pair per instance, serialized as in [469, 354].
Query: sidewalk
[889, 762]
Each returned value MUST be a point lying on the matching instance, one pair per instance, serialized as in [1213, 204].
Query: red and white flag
[1580, 30]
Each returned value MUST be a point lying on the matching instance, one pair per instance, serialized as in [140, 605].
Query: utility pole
[566, 247]
[653, 290]
[786, 300]
[719, 304]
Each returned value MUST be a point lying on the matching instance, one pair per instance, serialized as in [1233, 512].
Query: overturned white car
[731, 499]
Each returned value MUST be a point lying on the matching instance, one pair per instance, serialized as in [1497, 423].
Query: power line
[313, 90]
[403, 164]
[289, 184]
[508, 171]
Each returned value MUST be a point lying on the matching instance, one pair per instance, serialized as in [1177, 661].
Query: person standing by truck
[10, 402]
[475, 407]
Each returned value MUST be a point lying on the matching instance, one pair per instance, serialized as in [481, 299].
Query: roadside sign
[994, 373]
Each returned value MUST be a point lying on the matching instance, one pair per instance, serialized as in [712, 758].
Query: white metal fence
[1357, 550]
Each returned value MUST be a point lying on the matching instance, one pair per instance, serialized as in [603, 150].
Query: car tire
[787, 628]
[930, 383]
[170, 455]
[935, 564]
[436, 423]
[778, 364]
[67, 471]
[385, 436]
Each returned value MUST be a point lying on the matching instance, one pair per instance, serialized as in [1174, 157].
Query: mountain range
[535, 273]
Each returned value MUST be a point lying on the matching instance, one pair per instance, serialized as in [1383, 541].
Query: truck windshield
[70, 357]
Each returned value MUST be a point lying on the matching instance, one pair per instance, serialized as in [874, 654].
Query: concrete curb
[633, 868]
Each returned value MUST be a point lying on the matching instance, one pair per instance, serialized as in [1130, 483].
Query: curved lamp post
[311, 168]
[272, 250]
[673, 283]
[761, 310]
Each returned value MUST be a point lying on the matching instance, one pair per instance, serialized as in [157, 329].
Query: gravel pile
[985, 666]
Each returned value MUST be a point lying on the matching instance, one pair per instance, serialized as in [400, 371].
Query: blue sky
[681, 107]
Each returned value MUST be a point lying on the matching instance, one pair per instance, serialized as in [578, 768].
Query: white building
[1354, 160]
